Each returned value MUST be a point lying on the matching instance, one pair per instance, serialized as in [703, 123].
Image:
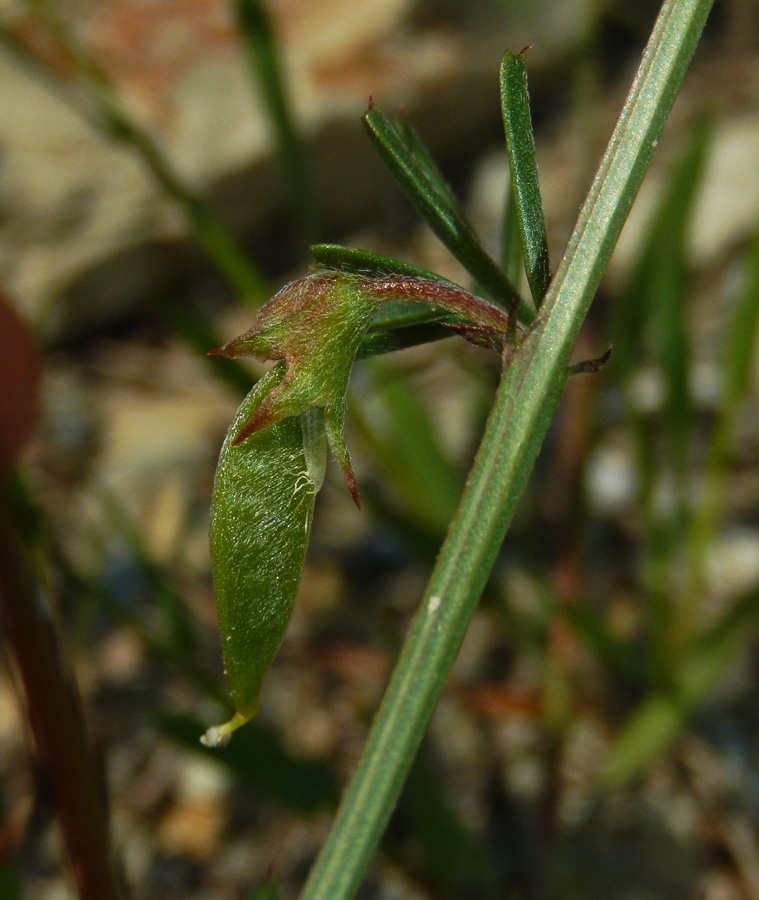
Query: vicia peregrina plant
[273, 454]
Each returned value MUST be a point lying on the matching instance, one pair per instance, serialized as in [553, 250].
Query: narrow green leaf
[403, 335]
[443, 216]
[263, 502]
[366, 263]
[399, 314]
[420, 152]
[511, 251]
[520, 146]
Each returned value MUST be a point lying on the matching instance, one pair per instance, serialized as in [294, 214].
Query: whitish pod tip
[219, 735]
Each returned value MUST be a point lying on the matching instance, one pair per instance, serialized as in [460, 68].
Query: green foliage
[686, 660]
[419, 178]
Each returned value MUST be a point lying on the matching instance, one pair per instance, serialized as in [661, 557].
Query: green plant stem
[524, 404]
[56, 719]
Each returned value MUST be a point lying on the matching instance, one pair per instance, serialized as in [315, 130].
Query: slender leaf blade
[520, 146]
[445, 218]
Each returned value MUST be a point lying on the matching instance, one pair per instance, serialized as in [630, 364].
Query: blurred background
[599, 736]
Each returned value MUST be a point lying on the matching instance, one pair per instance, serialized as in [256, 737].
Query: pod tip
[219, 735]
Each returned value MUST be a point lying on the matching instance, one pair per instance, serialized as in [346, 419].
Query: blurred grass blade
[520, 146]
[647, 734]
[668, 275]
[739, 349]
[618, 656]
[664, 247]
[652, 306]
[410, 455]
[444, 217]
[102, 108]
[260, 45]
[658, 722]
[651, 326]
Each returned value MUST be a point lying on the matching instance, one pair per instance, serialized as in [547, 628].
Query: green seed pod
[263, 503]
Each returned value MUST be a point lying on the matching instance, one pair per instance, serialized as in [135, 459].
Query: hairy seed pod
[263, 503]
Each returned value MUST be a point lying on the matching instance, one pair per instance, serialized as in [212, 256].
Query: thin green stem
[524, 404]
[261, 48]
